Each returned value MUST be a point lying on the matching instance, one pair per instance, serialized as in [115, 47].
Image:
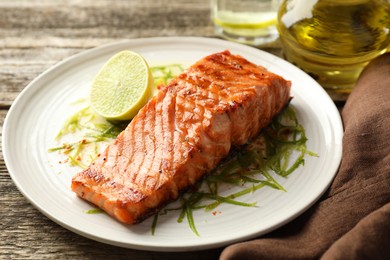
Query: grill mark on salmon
[220, 102]
[148, 157]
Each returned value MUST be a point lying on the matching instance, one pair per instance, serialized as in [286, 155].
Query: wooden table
[36, 34]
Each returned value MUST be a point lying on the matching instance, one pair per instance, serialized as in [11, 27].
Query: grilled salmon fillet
[220, 102]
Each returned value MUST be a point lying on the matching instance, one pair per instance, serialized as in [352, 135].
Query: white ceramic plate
[39, 112]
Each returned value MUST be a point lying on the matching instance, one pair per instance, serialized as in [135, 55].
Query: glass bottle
[332, 40]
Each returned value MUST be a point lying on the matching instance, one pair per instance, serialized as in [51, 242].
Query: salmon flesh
[181, 134]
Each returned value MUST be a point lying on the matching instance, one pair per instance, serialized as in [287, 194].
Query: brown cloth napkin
[352, 219]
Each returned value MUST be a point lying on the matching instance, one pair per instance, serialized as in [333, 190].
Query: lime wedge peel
[122, 87]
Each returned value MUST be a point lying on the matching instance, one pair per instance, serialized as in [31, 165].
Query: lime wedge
[122, 87]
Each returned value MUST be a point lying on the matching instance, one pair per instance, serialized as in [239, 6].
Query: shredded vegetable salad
[278, 150]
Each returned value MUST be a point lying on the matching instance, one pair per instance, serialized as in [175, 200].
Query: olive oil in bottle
[333, 40]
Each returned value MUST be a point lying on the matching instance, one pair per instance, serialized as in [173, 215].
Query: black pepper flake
[236, 65]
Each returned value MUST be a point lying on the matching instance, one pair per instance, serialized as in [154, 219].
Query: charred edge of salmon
[91, 184]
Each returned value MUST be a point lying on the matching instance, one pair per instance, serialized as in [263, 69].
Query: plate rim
[113, 45]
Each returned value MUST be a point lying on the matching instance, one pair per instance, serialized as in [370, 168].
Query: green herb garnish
[94, 211]
[163, 74]
[279, 150]
[91, 130]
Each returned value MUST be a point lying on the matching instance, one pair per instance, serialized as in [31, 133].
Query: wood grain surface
[35, 35]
